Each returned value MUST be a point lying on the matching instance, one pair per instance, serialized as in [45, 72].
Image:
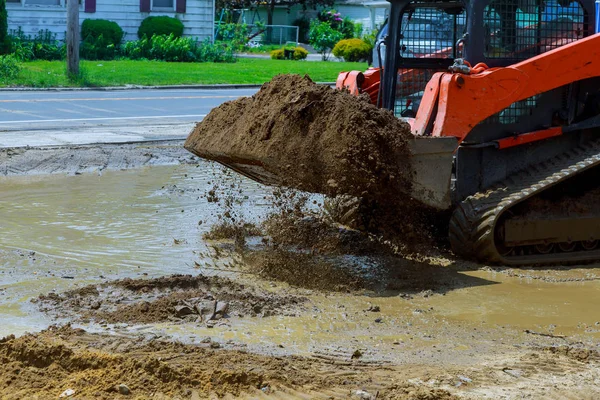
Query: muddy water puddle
[59, 232]
[63, 232]
[559, 308]
[454, 327]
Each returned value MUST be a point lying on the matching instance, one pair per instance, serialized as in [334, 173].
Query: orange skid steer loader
[524, 111]
[503, 101]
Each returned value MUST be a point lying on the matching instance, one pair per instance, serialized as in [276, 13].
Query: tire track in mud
[546, 373]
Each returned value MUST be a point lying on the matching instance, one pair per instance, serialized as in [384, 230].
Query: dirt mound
[313, 137]
[182, 298]
[77, 364]
[53, 362]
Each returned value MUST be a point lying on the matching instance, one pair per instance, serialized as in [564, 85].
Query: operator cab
[428, 36]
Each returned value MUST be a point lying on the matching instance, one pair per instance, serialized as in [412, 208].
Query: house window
[162, 4]
[44, 2]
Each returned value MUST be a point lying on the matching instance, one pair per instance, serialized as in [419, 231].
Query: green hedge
[109, 30]
[162, 25]
[101, 39]
[352, 50]
[9, 68]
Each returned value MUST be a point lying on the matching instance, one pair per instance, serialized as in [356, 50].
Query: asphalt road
[37, 118]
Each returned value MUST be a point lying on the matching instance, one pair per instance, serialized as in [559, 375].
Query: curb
[139, 87]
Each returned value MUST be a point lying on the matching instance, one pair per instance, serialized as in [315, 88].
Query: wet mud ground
[106, 265]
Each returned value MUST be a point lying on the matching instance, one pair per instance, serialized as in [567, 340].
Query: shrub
[214, 52]
[109, 31]
[370, 38]
[277, 54]
[358, 30]
[171, 48]
[323, 37]
[299, 53]
[352, 50]
[4, 38]
[235, 35]
[343, 25]
[162, 25]
[98, 49]
[42, 46]
[9, 68]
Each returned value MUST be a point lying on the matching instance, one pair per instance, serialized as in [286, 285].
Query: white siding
[362, 14]
[197, 20]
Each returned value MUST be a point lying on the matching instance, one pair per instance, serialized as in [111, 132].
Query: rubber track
[473, 221]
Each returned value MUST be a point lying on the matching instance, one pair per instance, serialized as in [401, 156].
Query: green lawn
[119, 73]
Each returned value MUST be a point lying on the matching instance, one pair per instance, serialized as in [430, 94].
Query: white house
[371, 14]
[35, 15]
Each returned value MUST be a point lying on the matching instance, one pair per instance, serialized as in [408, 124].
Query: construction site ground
[107, 270]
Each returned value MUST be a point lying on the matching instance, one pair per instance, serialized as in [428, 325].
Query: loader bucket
[431, 162]
[430, 159]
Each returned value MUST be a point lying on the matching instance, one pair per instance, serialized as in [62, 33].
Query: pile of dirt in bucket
[311, 137]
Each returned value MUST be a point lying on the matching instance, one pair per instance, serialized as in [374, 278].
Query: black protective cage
[425, 37]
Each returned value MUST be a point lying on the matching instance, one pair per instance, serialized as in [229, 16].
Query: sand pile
[312, 137]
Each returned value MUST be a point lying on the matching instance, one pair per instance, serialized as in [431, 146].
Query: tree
[323, 37]
[4, 38]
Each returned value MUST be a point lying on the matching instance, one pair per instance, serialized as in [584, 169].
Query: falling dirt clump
[311, 136]
[229, 230]
[315, 232]
[302, 270]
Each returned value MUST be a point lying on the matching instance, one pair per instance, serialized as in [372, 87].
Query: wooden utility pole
[73, 38]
